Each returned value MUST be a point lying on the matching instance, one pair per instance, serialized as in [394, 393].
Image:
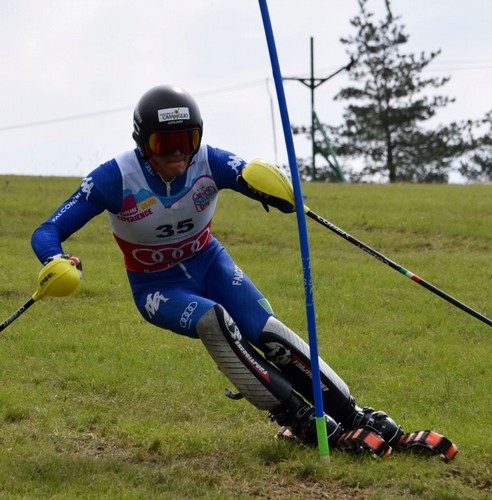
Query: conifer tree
[389, 100]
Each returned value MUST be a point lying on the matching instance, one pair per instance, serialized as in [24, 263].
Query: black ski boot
[298, 423]
[376, 421]
[302, 430]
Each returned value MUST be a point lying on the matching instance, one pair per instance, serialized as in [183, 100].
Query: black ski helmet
[165, 108]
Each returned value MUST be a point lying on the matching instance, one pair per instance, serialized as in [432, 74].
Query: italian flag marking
[409, 274]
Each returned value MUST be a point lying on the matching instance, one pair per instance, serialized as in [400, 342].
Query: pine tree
[388, 101]
[477, 165]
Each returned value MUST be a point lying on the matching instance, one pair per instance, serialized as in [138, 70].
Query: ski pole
[395, 266]
[269, 181]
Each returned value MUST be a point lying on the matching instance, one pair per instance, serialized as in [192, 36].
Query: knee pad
[257, 380]
[288, 352]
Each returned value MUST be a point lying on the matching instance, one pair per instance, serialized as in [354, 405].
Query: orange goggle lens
[165, 143]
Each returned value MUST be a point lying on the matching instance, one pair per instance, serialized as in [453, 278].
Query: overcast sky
[65, 59]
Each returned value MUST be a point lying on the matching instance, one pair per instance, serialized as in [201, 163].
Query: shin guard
[290, 354]
[257, 380]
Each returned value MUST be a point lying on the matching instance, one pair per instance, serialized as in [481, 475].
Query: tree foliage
[389, 100]
[477, 165]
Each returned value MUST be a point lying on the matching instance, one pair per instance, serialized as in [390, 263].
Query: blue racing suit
[183, 280]
[177, 270]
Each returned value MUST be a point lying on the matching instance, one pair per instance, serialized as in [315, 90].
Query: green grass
[96, 403]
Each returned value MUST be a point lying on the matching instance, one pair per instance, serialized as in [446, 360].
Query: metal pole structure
[312, 83]
[312, 87]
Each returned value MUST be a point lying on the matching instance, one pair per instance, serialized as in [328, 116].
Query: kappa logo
[86, 186]
[235, 162]
[153, 303]
[278, 353]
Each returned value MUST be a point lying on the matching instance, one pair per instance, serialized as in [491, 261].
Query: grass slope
[96, 403]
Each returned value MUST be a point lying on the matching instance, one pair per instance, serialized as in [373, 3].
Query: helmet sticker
[173, 114]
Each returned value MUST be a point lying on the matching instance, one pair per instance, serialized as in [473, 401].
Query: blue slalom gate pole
[303, 236]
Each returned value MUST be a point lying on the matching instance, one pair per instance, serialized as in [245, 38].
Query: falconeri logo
[173, 114]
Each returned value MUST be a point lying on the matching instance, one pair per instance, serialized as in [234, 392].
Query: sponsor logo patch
[185, 319]
[66, 207]
[173, 114]
[203, 196]
[238, 276]
[131, 211]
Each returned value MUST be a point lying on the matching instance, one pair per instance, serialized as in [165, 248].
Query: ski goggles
[165, 143]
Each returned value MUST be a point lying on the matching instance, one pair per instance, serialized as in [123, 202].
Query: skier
[160, 198]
